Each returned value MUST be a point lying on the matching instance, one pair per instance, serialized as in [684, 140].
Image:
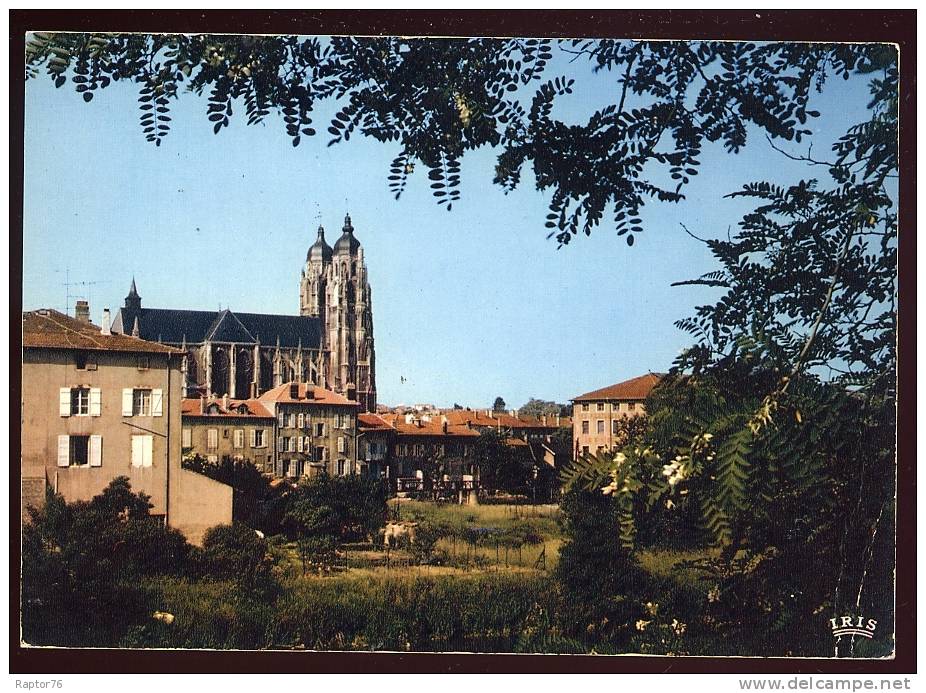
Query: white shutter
[301, 420]
[187, 438]
[239, 438]
[96, 401]
[280, 444]
[64, 449]
[64, 401]
[341, 444]
[299, 443]
[127, 401]
[253, 438]
[138, 451]
[157, 402]
[149, 445]
[96, 451]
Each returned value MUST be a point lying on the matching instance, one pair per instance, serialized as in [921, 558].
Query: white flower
[678, 627]
[670, 504]
[714, 594]
[641, 624]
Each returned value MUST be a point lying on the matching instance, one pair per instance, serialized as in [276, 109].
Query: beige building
[316, 430]
[596, 414]
[96, 406]
[239, 429]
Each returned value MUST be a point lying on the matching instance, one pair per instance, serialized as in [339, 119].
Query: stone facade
[315, 429]
[239, 429]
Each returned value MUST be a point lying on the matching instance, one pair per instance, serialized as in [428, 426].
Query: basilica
[242, 355]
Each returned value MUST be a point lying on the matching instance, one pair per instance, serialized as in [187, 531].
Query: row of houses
[97, 405]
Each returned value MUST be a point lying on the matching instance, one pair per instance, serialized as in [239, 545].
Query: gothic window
[244, 373]
[220, 371]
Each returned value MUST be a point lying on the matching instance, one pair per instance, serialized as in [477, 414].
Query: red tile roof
[308, 394]
[195, 407]
[53, 330]
[633, 389]
[483, 419]
[372, 422]
[434, 427]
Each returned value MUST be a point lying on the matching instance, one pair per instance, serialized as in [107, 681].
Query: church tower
[334, 288]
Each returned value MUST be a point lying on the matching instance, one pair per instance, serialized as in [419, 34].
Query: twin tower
[335, 289]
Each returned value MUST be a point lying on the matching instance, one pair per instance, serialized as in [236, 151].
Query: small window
[144, 363]
[319, 429]
[340, 467]
[80, 360]
[80, 401]
[259, 438]
[585, 427]
[614, 425]
[601, 406]
[585, 406]
[632, 406]
[600, 427]
[141, 403]
[321, 454]
[585, 449]
[212, 438]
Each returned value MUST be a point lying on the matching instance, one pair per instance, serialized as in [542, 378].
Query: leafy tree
[540, 407]
[435, 99]
[498, 404]
[316, 530]
[236, 552]
[502, 467]
[84, 564]
[256, 501]
[782, 415]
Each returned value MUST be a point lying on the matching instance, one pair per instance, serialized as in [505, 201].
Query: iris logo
[853, 625]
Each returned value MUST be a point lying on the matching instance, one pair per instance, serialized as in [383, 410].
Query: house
[98, 405]
[316, 430]
[596, 414]
[239, 429]
[374, 441]
[433, 456]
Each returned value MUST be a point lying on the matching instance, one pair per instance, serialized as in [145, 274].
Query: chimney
[294, 390]
[444, 426]
[105, 328]
[202, 404]
[82, 311]
[225, 401]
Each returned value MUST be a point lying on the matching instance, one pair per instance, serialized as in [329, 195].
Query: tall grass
[474, 613]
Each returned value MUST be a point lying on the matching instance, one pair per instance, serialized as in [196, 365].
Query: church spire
[133, 300]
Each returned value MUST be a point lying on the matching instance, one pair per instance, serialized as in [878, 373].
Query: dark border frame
[894, 26]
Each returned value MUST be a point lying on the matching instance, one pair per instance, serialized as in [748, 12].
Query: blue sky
[468, 304]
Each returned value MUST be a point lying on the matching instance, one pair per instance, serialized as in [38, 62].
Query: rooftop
[634, 389]
[236, 408]
[306, 394]
[53, 330]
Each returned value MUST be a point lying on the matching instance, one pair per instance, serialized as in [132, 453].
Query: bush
[236, 552]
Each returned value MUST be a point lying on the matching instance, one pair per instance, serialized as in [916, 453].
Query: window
[340, 467]
[258, 439]
[585, 427]
[319, 429]
[302, 421]
[212, 439]
[80, 401]
[600, 427]
[239, 438]
[585, 406]
[614, 425]
[585, 449]
[281, 419]
[321, 454]
[141, 403]
[186, 438]
[601, 406]
[342, 444]
[632, 406]
[143, 363]
[142, 450]
[80, 360]
[80, 451]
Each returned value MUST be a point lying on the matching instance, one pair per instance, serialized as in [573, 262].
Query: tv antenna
[77, 289]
